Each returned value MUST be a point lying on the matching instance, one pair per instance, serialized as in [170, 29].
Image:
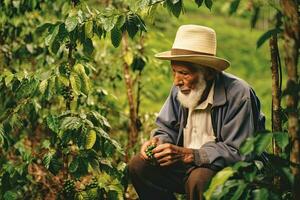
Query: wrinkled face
[185, 76]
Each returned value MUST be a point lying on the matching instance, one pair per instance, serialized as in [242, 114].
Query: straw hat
[195, 44]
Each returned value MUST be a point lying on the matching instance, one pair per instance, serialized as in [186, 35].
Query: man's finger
[169, 158]
[162, 147]
[169, 162]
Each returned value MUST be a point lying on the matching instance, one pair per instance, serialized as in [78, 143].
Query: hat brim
[214, 62]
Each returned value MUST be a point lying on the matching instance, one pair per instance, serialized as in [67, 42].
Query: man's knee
[137, 165]
[198, 179]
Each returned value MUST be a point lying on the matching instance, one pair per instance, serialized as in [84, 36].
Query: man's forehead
[185, 65]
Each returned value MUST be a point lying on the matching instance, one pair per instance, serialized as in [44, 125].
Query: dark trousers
[159, 183]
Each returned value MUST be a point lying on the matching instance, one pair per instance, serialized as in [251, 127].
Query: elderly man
[202, 124]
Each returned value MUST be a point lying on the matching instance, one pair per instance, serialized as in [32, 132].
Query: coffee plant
[54, 133]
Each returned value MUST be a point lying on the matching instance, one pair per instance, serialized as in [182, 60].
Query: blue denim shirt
[235, 116]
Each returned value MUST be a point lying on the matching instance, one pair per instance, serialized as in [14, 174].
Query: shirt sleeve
[238, 124]
[167, 120]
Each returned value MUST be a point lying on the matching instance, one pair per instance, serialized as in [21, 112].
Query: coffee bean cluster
[150, 154]
[69, 188]
[67, 93]
[93, 184]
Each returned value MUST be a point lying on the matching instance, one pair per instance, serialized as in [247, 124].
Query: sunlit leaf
[43, 86]
[8, 77]
[90, 139]
[88, 29]
[71, 23]
[219, 179]
[128, 57]
[75, 83]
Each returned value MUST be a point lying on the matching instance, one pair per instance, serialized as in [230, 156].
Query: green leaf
[27, 88]
[262, 141]
[52, 34]
[234, 6]
[267, 35]
[83, 78]
[199, 2]
[79, 68]
[90, 139]
[88, 29]
[86, 85]
[120, 22]
[8, 77]
[281, 139]
[175, 9]
[43, 86]
[208, 4]
[58, 39]
[138, 63]
[73, 165]
[11, 195]
[131, 25]
[116, 36]
[248, 146]
[255, 16]
[71, 23]
[219, 179]
[88, 47]
[75, 83]
[239, 191]
[70, 123]
[260, 194]
[47, 158]
[40, 29]
[109, 22]
[241, 164]
[53, 123]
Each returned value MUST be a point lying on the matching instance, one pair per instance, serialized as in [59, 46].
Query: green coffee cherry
[69, 190]
[150, 154]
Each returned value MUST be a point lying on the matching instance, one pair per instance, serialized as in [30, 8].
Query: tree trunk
[276, 99]
[129, 87]
[276, 90]
[139, 83]
[291, 49]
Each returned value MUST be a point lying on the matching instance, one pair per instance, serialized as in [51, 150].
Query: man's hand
[167, 154]
[152, 141]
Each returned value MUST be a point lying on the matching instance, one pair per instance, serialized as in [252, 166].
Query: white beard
[192, 99]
